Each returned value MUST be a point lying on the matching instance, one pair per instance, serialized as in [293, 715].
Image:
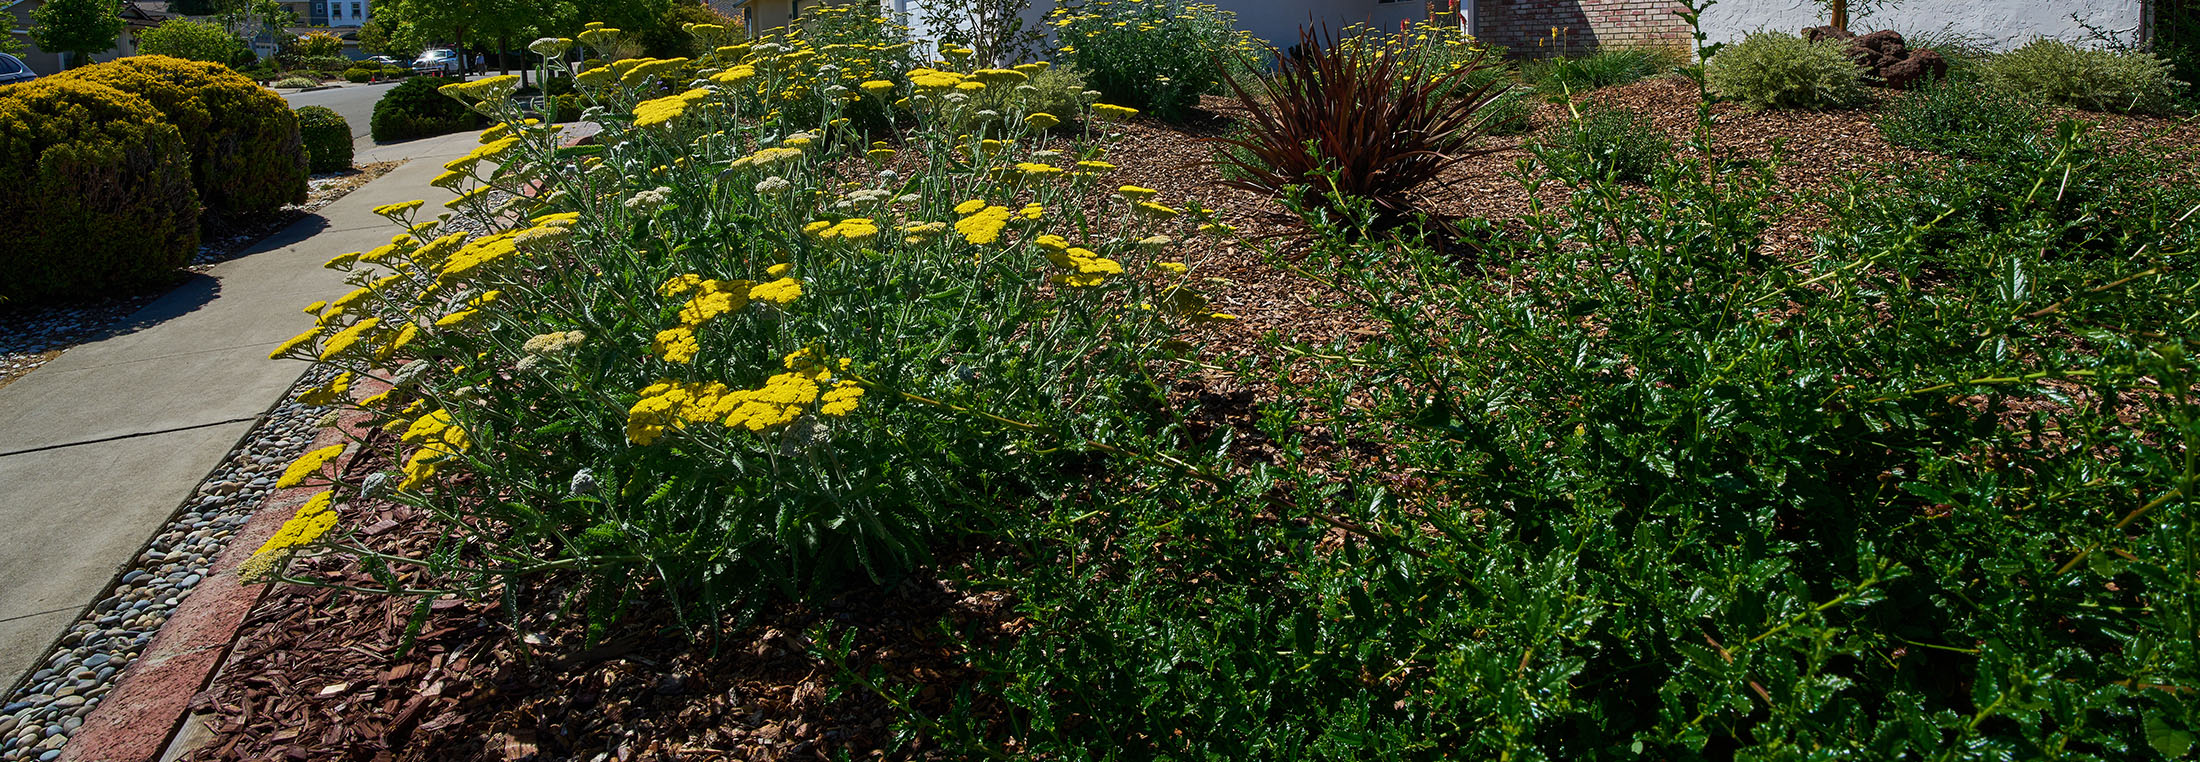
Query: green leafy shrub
[246, 154]
[1781, 70]
[1156, 56]
[98, 195]
[2060, 73]
[1609, 143]
[361, 75]
[1604, 68]
[192, 40]
[337, 64]
[327, 138]
[1961, 118]
[414, 109]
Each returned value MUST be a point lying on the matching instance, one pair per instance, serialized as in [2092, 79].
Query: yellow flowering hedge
[740, 347]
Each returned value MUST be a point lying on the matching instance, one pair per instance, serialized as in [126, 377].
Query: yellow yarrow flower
[341, 342]
[307, 465]
[676, 345]
[985, 226]
[327, 394]
[781, 291]
[312, 520]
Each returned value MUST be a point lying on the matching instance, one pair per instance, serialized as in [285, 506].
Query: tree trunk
[1841, 15]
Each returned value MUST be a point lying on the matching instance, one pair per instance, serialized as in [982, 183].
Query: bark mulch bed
[316, 674]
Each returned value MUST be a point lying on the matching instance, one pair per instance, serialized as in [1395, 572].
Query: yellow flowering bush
[1156, 55]
[738, 347]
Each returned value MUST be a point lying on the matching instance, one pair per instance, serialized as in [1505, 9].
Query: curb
[318, 88]
[152, 698]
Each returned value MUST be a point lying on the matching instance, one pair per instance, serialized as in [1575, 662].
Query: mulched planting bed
[318, 675]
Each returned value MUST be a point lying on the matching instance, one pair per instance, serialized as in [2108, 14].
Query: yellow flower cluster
[307, 465]
[438, 439]
[784, 397]
[312, 520]
[656, 111]
[983, 225]
[329, 393]
[1085, 267]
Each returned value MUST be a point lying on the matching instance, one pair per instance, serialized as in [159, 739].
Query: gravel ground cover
[318, 674]
[37, 718]
[33, 335]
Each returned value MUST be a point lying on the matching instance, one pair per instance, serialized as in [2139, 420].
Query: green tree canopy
[195, 40]
[82, 27]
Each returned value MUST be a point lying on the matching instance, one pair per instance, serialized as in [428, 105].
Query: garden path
[101, 446]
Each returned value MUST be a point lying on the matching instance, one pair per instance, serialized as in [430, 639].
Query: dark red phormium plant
[1381, 125]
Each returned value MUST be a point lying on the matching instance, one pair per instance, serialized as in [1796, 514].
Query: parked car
[386, 61]
[13, 70]
[440, 62]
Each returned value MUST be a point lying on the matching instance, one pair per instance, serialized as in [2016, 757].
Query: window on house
[355, 11]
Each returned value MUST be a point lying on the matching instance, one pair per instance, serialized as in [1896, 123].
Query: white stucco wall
[2001, 24]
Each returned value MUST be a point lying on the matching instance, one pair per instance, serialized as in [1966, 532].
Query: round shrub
[98, 194]
[414, 109]
[2057, 72]
[327, 138]
[246, 156]
[361, 75]
[1781, 70]
[194, 40]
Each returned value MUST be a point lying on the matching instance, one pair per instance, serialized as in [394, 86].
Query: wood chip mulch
[316, 675]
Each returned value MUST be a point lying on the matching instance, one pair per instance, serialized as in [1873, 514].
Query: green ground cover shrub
[1961, 118]
[1623, 486]
[2058, 72]
[414, 109]
[1781, 70]
[1607, 67]
[1607, 143]
[99, 192]
[296, 82]
[1157, 56]
[246, 154]
[327, 139]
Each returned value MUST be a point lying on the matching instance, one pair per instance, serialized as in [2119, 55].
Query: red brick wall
[1525, 26]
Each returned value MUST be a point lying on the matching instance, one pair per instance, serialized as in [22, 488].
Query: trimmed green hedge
[327, 138]
[98, 194]
[246, 153]
[414, 109]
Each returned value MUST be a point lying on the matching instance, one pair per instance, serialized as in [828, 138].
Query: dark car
[13, 70]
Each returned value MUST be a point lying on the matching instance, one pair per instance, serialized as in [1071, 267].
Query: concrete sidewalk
[100, 447]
